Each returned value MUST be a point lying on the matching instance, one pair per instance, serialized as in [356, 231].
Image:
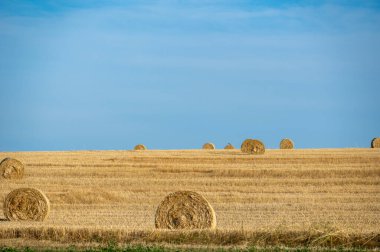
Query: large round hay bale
[253, 146]
[26, 204]
[375, 142]
[208, 146]
[185, 210]
[229, 147]
[286, 143]
[140, 147]
[11, 168]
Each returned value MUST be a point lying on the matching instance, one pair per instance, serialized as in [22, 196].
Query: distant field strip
[331, 191]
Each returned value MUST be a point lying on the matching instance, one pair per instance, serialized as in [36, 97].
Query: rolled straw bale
[375, 142]
[253, 146]
[11, 168]
[286, 143]
[140, 147]
[208, 146]
[185, 210]
[26, 204]
[229, 147]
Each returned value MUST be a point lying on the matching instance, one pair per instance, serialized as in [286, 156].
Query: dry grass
[314, 238]
[185, 210]
[11, 168]
[318, 197]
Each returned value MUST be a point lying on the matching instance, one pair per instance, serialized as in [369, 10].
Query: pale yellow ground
[282, 189]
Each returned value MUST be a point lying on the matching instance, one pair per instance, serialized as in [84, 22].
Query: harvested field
[310, 197]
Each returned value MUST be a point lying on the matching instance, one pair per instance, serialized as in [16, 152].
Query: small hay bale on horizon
[286, 143]
[11, 168]
[26, 204]
[140, 147]
[253, 146]
[375, 143]
[185, 210]
[208, 146]
[229, 147]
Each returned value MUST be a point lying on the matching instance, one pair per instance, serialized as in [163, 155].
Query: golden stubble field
[311, 197]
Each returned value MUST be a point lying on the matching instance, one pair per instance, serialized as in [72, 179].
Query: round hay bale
[208, 146]
[11, 168]
[26, 204]
[253, 146]
[229, 147]
[140, 147]
[185, 210]
[375, 142]
[286, 144]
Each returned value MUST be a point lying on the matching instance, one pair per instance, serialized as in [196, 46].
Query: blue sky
[175, 74]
